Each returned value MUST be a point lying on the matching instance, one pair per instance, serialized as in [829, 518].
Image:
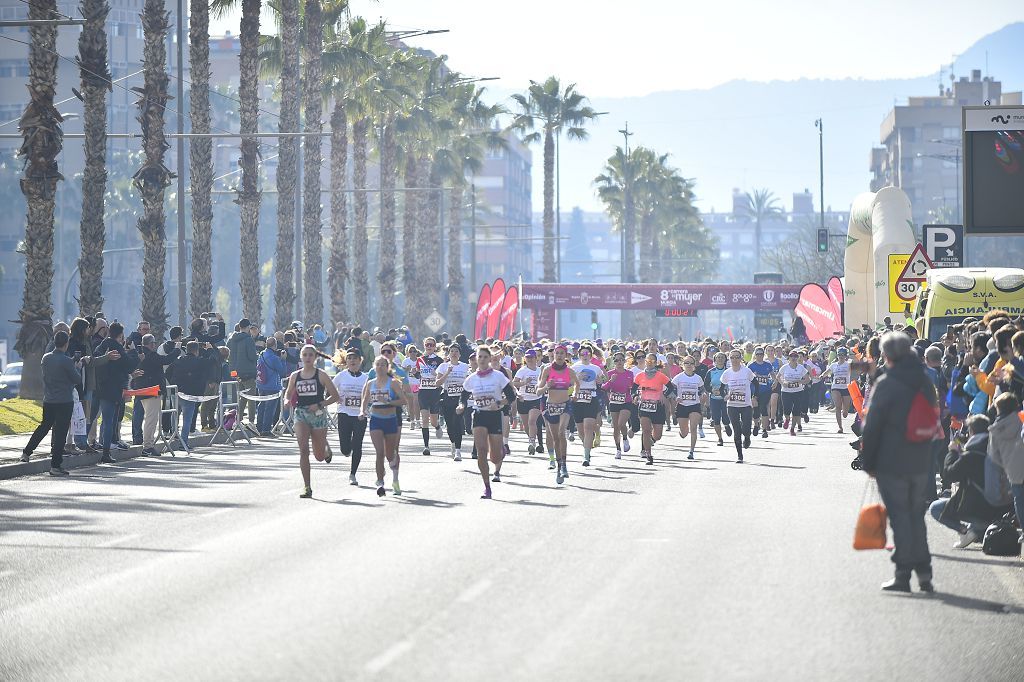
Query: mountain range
[745, 135]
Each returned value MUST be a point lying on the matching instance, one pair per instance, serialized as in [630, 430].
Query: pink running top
[559, 379]
[619, 386]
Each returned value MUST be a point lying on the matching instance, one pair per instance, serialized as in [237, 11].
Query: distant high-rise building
[921, 146]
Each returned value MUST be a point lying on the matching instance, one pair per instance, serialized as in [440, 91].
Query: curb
[40, 464]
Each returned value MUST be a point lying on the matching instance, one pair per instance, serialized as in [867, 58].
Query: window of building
[951, 133]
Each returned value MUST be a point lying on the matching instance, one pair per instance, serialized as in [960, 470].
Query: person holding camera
[151, 373]
[270, 369]
[60, 376]
[242, 345]
[111, 380]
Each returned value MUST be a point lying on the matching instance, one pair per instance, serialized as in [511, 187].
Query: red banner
[820, 315]
[483, 304]
[835, 292]
[509, 310]
[494, 311]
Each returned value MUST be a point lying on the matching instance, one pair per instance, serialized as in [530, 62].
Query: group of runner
[555, 392]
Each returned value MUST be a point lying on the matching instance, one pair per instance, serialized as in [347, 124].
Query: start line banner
[539, 296]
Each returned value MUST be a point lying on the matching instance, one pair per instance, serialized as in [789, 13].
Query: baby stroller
[857, 464]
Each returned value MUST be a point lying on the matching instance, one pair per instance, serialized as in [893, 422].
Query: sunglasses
[388, 352]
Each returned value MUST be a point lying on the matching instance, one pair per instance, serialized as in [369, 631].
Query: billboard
[993, 169]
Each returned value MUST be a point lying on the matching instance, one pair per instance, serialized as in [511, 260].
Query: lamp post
[955, 158]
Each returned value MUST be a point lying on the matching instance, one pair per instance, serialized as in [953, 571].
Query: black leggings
[350, 436]
[740, 418]
[453, 422]
[790, 403]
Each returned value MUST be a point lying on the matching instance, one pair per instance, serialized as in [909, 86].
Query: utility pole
[821, 168]
[181, 163]
[472, 239]
[627, 204]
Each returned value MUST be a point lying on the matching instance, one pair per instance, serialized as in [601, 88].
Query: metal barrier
[228, 393]
[169, 407]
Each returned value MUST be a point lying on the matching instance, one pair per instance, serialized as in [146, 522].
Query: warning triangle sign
[917, 267]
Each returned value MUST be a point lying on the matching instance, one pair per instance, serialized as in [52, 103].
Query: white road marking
[474, 591]
[390, 656]
[119, 541]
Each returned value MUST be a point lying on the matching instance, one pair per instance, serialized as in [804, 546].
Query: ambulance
[952, 294]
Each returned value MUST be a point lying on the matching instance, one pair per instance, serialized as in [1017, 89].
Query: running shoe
[307, 493]
[505, 450]
[486, 495]
[618, 454]
[746, 442]
[559, 479]
[764, 434]
[426, 451]
[397, 488]
[572, 437]
[58, 471]
[739, 460]
[380, 491]
[625, 445]
[650, 459]
[497, 478]
[586, 460]
[458, 456]
[792, 432]
[756, 430]
[799, 427]
[700, 431]
[720, 442]
[840, 429]
[352, 479]
[25, 456]
[565, 470]
[785, 424]
[690, 456]
[330, 455]
[437, 431]
[551, 462]
[728, 429]
[532, 449]
[806, 419]
[597, 439]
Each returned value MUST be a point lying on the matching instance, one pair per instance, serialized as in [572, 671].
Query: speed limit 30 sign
[901, 292]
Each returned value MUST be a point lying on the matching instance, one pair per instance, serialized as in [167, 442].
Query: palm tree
[200, 159]
[42, 142]
[759, 207]
[153, 178]
[248, 191]
[615, 188]
[95, 77]
[360, 235]
[554, 110]
[312, 211]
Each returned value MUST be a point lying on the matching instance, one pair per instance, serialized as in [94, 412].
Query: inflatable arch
[880, 225]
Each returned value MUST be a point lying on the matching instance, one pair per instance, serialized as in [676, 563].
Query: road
[210, 567]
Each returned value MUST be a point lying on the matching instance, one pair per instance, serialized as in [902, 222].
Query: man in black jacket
[110, 381]
[899, 465]
[151, 373]
[191, 371]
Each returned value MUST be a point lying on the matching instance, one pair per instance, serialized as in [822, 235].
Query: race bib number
[649, 405]
[428, 382]
[617, 398]
[530, 388]
[352, 401]
[688, 396]
[306, 388]
[452, 389]
[483, 402]
[555, 409]
[737, 397]
[763, 380]
[380, 399]
[840, 381]
[584, 395]
[792, 384]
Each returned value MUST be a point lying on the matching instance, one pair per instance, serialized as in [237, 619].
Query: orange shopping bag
[856, 397]
[870, 531]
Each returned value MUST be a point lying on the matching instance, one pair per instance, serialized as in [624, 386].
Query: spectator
[242, 345]
[110, 382]
[340, 335]
[60, 376]
[190, 372]
[378, 340]
[270, 369]
[1006, 448]
[899, 465]
[151, 373]
[320, 338]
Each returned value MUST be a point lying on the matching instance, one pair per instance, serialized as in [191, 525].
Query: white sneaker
[625, 445]
[458, 455]
[618, 454]
[966, 539]
[352, 479]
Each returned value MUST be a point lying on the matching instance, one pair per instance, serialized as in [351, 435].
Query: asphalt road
[210, 567]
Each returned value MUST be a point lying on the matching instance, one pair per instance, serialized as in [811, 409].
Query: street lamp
[955, 158]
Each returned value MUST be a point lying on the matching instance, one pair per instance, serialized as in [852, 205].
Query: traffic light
[593, 320]
[822, 240]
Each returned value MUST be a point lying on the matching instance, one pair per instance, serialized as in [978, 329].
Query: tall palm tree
[249, 191]
[615, 188]
[312, 211]
[153, 178]
[554, 110]
[759, 207]
[42, 142]
[361, 209]
[200, 159]
[95, 77]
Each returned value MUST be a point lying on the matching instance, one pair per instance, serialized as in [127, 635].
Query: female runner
[529, 404]
[451, 374]
[411, 367]
[620, 401]
[312, 391]
[351, 427]
[556, 380]
[585, 404]
[792, 378]
[651, 405]
[382, 396]
[491, 391]
[690, 390]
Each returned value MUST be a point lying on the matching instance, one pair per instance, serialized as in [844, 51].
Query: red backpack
[923, 423]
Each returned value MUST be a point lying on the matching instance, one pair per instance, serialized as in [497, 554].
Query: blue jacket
[274, 370]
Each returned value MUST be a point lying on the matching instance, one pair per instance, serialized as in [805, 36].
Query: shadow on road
[531, 503]
[986, 560]
[113, 548]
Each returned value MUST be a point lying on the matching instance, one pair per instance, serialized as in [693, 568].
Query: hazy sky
[633, 48]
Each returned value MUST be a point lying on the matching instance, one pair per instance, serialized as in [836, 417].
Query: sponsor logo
[818, 309]
[718, 299]
[789, 297]
[551, 299]
[584, 298]
[681, 296]
[534, 297]
[769, 296]
[1001, 119]
[615, 299]
[743, 298]
[635, 298]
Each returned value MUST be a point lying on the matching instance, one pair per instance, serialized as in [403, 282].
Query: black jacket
[191, 373]
[153, 363]
[885, 447]
[112, 376]
[968, 469]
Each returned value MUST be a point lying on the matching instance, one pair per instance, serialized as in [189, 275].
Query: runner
[351, 426]
[702, 372]
[805, 394]
[490, 392]
[429, 394]
[690, 391]
[772, 356]
[556, 380]
[651, 404]
[737, 383]
[506, 410]
[839, 371]
[620, 401]
[382, 396]
[764, 375]
[452, 374]
[311, 390]
[409, 364]
[585, 404]
[713, 384]
[529, 404]
[792, 378]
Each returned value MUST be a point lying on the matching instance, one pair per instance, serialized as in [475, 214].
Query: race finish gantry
[675, 300]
